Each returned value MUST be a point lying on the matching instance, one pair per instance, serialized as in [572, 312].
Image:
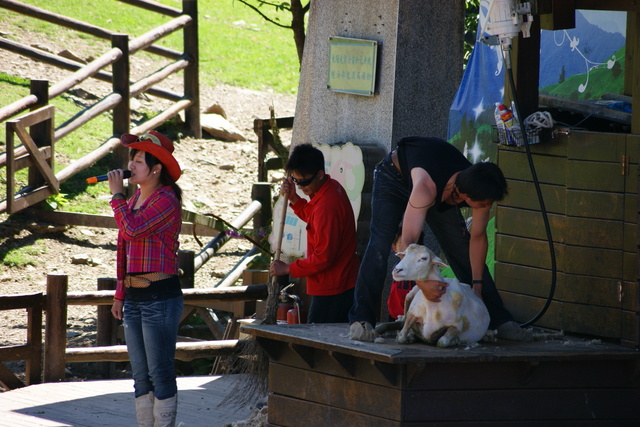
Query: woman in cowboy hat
[148, 295]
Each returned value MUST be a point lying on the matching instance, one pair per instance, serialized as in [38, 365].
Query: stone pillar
[419, 70]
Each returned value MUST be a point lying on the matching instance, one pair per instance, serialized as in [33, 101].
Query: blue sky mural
[580, 63]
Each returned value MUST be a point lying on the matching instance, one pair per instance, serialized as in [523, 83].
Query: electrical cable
[552, 252]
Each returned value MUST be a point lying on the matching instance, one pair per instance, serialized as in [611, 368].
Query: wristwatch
[118, 196]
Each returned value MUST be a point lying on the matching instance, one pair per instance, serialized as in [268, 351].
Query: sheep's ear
[436, 260]
[400, 254]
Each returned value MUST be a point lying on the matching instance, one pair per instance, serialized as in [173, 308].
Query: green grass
[23, 256]
[237, 47]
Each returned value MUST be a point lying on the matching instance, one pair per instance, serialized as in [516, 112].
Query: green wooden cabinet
[589, 182]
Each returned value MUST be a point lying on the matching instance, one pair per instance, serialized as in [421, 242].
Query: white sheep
[459, 318]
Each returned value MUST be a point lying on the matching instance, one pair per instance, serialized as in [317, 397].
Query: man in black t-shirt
[428, 179]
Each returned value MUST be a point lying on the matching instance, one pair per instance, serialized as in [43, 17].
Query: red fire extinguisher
[293, 315]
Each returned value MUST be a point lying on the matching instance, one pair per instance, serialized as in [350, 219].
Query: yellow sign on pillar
[352, 65]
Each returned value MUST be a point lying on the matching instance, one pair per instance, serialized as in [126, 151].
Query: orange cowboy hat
[157, 145]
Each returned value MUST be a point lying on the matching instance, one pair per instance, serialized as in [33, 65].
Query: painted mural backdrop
[578, 64]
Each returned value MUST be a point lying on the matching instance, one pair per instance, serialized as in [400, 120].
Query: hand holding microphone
[100, 178]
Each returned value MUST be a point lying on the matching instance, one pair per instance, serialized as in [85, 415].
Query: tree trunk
[297, 25]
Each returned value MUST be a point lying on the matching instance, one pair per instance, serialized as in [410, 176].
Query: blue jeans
[330, 308]
[151, 331]
[389, 199]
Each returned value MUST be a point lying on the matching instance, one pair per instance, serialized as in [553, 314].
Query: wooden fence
[57, 298]
[37, 150]
[56, 353]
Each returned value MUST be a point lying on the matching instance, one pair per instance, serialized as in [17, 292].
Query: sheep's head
[418, 263]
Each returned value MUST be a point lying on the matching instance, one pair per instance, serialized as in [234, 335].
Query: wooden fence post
[33, 370]
[261, 191]
[187, 265]
[41, 133]
[55, 331]
[191, 72]
[121, 85]
[107, 326]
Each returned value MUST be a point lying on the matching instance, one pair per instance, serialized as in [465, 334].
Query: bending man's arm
[422, 197]
[478, 245]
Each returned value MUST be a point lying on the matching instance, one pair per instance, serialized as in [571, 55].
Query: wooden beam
[107, 221]
[557, 14]
[185, 351]
[632, 73]
[615, 5]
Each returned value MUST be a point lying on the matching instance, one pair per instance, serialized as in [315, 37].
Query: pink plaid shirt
[148, 237]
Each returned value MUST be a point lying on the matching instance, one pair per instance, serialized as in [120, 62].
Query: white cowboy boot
[164, 412]
[144, 410]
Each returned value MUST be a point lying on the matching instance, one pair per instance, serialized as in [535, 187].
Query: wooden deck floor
[110, 403]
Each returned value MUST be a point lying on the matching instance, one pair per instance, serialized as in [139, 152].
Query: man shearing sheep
[428, 179]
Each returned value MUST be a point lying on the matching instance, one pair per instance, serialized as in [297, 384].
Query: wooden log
[162, 117]
[16, 107]
[191, 296]
[159, 75]
[99, 32]
[145, 40]
[185, 351]
[154, 7]
[13, 302]
[85, 72]
[88, 160]
[105, 104]
[67, 64]
[105, 221]
[55, 327]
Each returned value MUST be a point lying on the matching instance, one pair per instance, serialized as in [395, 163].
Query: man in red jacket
[331, 264]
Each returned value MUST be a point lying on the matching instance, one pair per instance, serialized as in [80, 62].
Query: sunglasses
[147, 136]
[304, 182]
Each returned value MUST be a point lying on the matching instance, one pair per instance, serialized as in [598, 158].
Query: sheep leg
[451, 337]
[382, 328]
[403, 335]
[409, 319]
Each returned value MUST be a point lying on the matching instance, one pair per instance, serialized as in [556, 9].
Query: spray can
[507, 116]
[502, 135]
[511, 126]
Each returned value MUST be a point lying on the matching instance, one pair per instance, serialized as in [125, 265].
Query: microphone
[100, 178]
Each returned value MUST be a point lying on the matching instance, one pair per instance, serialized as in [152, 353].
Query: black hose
[552, 252]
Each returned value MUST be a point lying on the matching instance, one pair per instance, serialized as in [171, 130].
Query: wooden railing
[264, 129]
[56, 353]
[31, 352]
[118, 101]
[57, 299]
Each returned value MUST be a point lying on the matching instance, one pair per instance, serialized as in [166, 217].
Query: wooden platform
[110, 403]
[318, 374]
